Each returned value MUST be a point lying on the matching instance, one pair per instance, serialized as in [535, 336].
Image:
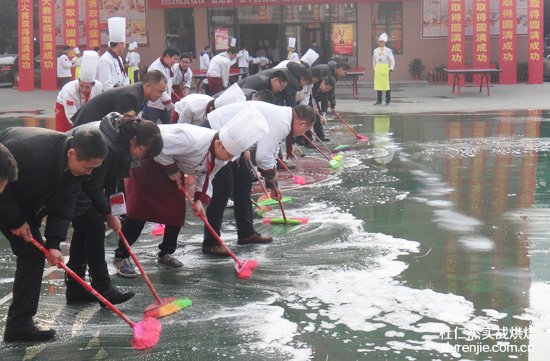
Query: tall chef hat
[117, 30]
[383, 37]
[233, 41]
[243, 130]
[133, 45]
[309, 57]
[76, 51]
[292, 42]
[88, 66]
[232, 94]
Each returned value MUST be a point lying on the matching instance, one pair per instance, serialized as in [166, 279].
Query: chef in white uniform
[110, 70]
[133, 59]
[218, 70]
[383, 63]
[78, 92]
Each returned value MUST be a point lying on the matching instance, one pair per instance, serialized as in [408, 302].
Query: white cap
[76, 51]
[88, 66]
[292, 42]
[383, 37]
[309, 57]
[233, 41]
[117, 30]
[243, 130]
[233, 94]
[133, 46]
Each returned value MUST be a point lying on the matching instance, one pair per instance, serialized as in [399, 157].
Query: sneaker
[255, 238]
[124, 267]
[230, 203]
[215, 251]
[169, 261]
[378, 103]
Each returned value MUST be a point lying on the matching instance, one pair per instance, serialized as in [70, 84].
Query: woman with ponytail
[129, 139]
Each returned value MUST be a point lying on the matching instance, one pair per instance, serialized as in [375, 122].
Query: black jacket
[45, 187]
[322, 99]
[259, 82]
[293, 72]
[328, 70]
[105, 178]
[120, 100]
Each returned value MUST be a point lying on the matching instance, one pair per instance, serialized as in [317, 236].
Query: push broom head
[245, 268]
[334, 164]
[289, 221]
[342, 148]
[167, 307]
[271, 201]
[146, 333]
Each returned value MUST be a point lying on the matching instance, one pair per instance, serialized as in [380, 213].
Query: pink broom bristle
[146, 333]
[245, 269]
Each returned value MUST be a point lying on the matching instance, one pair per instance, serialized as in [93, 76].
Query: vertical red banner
[535, 41]
[93, 35]
[482, 23]
[46, 35]
[70, 22]
[507, 42]
[455, 38]
[26, 45]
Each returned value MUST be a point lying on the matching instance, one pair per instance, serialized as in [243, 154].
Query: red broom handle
[282, 209]
[265, 191]
[140, 267]
[259, 181]
[316, 147]
[345, 123]
[322, 143]
[284, 166]
[83, 283]
[212, 231]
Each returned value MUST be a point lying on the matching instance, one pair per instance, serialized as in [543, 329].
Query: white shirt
[281, 65]
[165, 101]
[133, 59]
[219, 68]
[70, 98]
[204, 61]
[279, 121]
[192, 108]
[182, 79]
[243, 57]
[64, 66]
[188, 146]
[294, 57]
[383, 55]
[109, 72]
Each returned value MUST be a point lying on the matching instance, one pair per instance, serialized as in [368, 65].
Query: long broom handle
[316, 147]
[259, 180]
[284, 166]
[322, 143]
[212, 231]
[345, 123]
[265, 191]
[83, 283]
[139, 266]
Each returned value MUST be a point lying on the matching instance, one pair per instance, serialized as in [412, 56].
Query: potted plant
[416, 68]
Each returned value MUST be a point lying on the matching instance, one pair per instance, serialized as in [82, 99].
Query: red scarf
[166, 66]
[120, 65]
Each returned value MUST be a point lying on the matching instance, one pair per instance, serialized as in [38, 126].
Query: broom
[244, 268]
[162, 306]
[296, 178]
[146, 332]
[340, 147]
[333, 163]
[357, 135]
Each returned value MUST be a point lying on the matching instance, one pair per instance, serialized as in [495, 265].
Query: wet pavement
[431, 243]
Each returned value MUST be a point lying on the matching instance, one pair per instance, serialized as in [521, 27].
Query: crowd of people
[119, 135]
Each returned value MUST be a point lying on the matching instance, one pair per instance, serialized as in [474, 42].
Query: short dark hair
[8, 165]
[206, 47]
[154, 77]
[65, 47]
[344, 65]
[279, 74]
[186, 55]
[147, 133]
[232, 50]
[170, 51]
[316, 73]
[329, 81]
[306, 74]
[305, 112]
[265, 95]
[89, 144]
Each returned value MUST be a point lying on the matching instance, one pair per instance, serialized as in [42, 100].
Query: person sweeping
[383, 63]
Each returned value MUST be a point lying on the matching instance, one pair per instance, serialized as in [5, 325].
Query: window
[387, 18]
[180, 30]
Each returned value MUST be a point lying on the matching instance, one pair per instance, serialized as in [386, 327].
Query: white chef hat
[292, 42]
[76, 51]
[383, 37]
[133, 46]
[88, 66]
[117, 29]
[246, 128]
[309, 57]
[233, 41]
[232, 94]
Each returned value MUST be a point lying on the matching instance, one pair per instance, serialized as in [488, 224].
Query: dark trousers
[233, 177]
[88, 242]
[131, 228]
[379, 94]
[28, 278]
[62, 81]
[155, 114]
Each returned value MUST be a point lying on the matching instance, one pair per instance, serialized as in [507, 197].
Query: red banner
[157, 4]
[93, 35]
[26, 45]
[70, 24]
[46, 30]
[482, 23]
[507, 42]
[455, 39]
[535, 41]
